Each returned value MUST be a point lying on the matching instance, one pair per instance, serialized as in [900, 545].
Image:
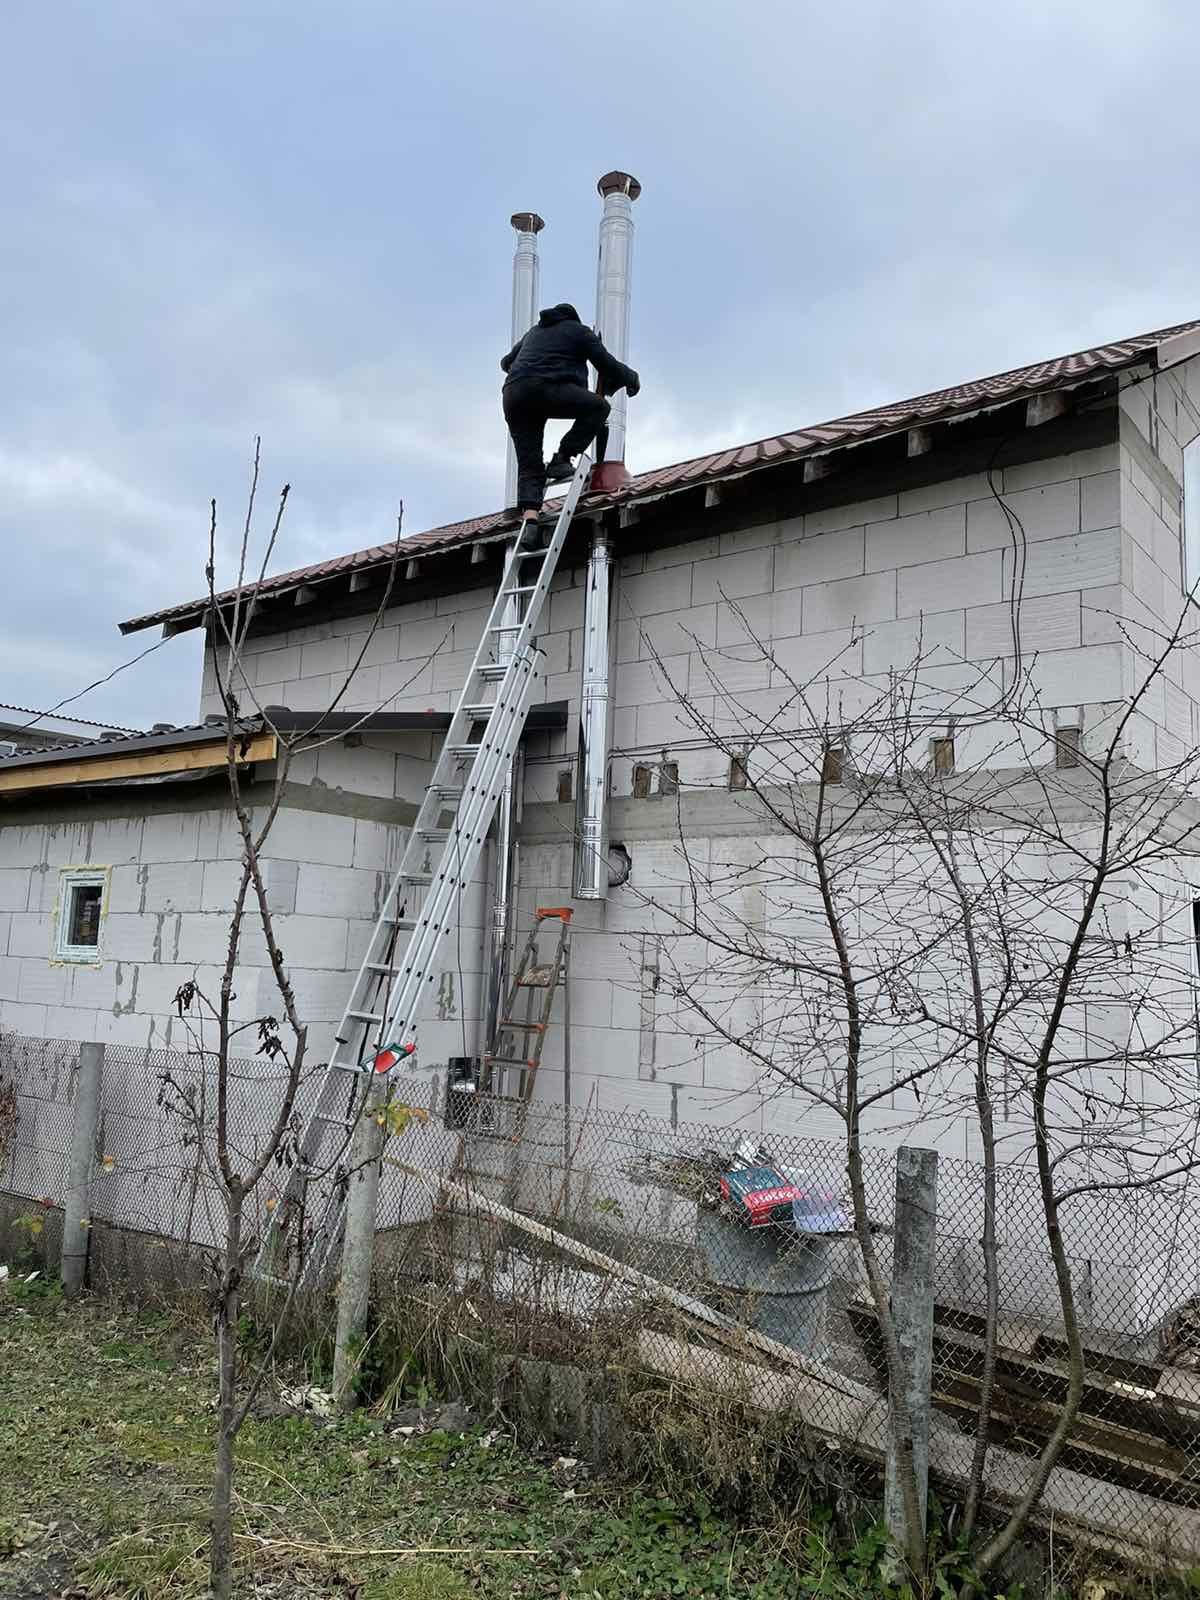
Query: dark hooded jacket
[558, 348]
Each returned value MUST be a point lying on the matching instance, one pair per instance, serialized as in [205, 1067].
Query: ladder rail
[417, 908]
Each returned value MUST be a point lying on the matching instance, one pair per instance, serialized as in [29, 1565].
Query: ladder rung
[405, 924]
[433, 834]
[525, 588]
[493, 671]
[464, 749]
[448, 791]
[345, 1066]
[417, 877]
[366, 1016]
[479, 713]
[381, 966]
[528, 1027]
[510, 1061]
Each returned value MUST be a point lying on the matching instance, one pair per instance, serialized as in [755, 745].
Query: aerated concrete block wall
[172, 877]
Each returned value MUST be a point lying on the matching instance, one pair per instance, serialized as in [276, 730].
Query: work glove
[634, 384]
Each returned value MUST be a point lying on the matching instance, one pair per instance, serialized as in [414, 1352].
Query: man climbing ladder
[547, 377]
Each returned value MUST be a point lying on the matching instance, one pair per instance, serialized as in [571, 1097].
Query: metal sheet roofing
[942, 405]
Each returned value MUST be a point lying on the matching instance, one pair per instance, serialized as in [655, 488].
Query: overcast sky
[292, 219]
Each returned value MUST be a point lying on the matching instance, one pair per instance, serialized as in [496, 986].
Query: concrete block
[14, 888]
[316, 942]
[1062, 677]
[678, 633]
[665, 725]
[840, 554]
[1054, 469]
[174, 886]
[115, 839]
[5, 923]
[140, 936]
[419, 640]
[935, 638]
[1055, 566]
[221, 879]
[647, 594]
[1140, 514]
[28, 1020]
[852, 600]
[311, 837]
[42, 982]
[835, 654]
[478, 599]
[1143, 577]
[450, 670]
[679, 555]
[855, 512]
[168, 837]
[566, 609]
[641, 683]
[20, 846]
[336, 891]
[732, 576]
[921, 536]
[950, 492]
[734, 670]
[407, 685]
[1050, 512]
[30, 933]
[1102, 611]
[753, 619]
[942, 585]
[1045, 622]
[1100, 501]
[307, 694]
[755, 538]
[93, 987]
[10, 977]
[277, 666]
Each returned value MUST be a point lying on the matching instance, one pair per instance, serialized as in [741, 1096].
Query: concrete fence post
[912, 1311]
[77, 1208]
[358, 1249]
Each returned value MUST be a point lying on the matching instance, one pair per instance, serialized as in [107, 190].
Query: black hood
[559, 313]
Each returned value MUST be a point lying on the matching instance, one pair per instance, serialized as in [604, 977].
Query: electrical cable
[108, 677]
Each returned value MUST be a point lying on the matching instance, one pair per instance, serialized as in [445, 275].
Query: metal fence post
[78, 1204]
[358, 1249]
[912, 1311]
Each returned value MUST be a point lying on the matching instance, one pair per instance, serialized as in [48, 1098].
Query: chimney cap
[527, 222]
[619, 183]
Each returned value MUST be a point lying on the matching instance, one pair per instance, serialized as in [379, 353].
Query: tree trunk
[221, 1555]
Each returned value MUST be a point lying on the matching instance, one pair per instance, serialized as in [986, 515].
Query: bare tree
[956, 908]
[257, 1164]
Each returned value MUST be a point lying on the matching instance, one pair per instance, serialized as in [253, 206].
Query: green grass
[107, 1423]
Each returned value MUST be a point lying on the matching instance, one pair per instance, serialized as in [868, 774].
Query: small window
[1191, 517]
[833, 763]
[1066, 747]
[81, 908]
[668, 777]
[942, 753]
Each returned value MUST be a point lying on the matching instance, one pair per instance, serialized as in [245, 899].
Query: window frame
[71, 879]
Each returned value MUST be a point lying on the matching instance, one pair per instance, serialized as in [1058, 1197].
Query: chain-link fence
[728, 1266]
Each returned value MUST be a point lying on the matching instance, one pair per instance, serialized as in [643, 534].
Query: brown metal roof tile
[958, 400]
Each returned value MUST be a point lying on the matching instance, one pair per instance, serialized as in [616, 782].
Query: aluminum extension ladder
[442, 851]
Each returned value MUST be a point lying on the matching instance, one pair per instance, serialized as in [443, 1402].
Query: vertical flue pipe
[613, 269]
[525, 290]
[526, 286]
[591, 794]
[615, 261]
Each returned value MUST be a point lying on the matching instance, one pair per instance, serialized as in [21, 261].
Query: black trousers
[529, 403]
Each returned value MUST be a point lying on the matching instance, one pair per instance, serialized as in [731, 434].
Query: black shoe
[532, 535]
[559, 468]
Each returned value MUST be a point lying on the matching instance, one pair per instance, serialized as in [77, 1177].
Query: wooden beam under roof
[144, 764]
